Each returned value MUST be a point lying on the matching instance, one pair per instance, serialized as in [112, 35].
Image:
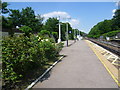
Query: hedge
[21, 54]
[111, 34]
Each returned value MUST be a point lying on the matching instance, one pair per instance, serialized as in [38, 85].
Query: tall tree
[6, 23]
[51, 25]
[101, 28]
[15, 17]
[28, 18]
[4, 8]
[63, 31]
[39, 23]
[70, 32]
[83, 34]
[116, 20]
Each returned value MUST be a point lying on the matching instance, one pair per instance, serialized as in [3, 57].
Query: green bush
[111, 34]
[93, 36]
[26, 30]
[59, 46]
[45, 33]
[21, 54]
[55, 35]
[49, 50]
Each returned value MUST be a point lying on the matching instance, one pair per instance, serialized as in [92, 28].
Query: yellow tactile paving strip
[113, 71]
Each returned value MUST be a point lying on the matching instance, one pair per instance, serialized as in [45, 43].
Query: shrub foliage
[21, 54]
[111, 34]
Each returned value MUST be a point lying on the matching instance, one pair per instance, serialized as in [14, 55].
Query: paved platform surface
[70, 42]
[79, 69]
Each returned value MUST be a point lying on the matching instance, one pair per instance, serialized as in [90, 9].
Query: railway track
[111, 46]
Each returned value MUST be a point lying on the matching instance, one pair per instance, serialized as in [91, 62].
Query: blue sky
[84, 15]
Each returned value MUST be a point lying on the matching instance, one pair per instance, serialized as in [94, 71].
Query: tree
[70, 32]
[4, 9]
[28, 18]
[51, 25]
[82, 33]
[26, 30]
[45, 33]
[111, 34]
[39, 22]
[6, 23]
[55, 35]
[15, 18]
[116, 20]
[63, 31]
[101, 28]
[12, 21]
[106, 26]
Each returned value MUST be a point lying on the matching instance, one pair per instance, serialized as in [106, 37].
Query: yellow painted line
[105, 66]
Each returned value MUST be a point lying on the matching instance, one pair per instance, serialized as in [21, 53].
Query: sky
[61, 0]
[82, 15]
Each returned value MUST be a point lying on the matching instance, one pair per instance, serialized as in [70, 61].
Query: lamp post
[67, 33]
[59, 39]
[67, 36]
[74, 35]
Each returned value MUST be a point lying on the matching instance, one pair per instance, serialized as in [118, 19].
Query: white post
[59, 39]
[67, 30]
[74, 35]
[67, 33]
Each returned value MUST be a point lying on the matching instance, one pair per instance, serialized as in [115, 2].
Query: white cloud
[113, 15]
[113, 11]
[118, 4]
[75, 23]
[63, 15]
[56, 14]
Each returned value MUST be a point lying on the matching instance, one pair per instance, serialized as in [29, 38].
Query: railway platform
[81, 68]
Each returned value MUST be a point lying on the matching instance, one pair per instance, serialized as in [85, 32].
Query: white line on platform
[33, 83]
